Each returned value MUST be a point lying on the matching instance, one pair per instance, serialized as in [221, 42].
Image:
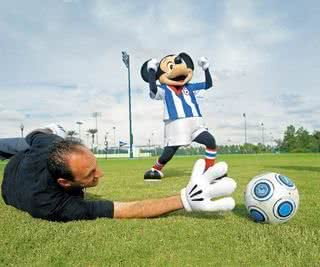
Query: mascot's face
[175, 70]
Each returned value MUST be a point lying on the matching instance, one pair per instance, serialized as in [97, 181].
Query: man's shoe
[153, 175]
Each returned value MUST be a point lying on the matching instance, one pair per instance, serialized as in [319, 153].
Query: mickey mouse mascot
[182, 116]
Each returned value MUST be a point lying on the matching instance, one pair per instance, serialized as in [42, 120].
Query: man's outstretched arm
[147, 208]
[197, 196]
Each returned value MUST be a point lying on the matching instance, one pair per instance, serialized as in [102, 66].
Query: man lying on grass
[47, 181]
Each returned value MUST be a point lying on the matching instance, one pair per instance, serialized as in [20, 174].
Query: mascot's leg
[205, 138]
[165, 157]
[155, 172]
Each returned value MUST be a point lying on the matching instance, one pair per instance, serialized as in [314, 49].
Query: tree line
[293, 141]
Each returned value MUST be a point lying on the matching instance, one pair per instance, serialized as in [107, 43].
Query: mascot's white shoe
[153, 175]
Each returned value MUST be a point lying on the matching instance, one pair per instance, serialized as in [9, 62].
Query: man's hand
[204, 186]
[203, 63]
[153, 64]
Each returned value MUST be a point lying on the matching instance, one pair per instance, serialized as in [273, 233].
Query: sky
[60, 61]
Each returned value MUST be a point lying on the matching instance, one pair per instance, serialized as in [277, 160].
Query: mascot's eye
[170, 66]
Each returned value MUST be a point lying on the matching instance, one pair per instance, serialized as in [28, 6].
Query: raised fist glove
[204, 186]
[203, 63]
[153, 64]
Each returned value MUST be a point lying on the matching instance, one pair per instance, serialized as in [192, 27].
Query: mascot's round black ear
[187, 59]
[144, 72]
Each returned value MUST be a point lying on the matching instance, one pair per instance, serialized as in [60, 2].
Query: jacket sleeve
[77, 208]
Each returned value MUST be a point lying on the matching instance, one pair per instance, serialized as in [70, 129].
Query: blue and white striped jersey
[179, 105]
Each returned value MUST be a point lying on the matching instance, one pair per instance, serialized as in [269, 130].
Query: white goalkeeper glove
[56, 129]
[203, 63]
[153, 64]
[204, 186]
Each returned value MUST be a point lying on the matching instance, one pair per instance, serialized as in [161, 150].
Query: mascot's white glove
[56, 129]
[203, 63]
[153, 64]
[203, 186]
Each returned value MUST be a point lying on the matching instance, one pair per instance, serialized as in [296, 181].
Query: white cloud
[11, 115]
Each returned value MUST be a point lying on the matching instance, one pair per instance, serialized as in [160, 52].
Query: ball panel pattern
[284, 180]
[284, 209]
[262, 190]
[257, 214]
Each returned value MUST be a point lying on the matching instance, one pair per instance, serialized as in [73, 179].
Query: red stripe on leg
[209, 163]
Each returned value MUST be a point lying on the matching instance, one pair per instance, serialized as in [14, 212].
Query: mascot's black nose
[178, 60]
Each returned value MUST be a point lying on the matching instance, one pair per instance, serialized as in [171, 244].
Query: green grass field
[180, 238]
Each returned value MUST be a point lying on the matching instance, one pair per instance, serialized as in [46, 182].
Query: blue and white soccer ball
[271, 198]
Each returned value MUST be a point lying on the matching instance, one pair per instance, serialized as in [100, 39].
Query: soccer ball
[271, 198]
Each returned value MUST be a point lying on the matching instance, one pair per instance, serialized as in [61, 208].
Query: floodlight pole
[245, 127]
[114, 135]
[262, 132]
[21, 129]
[106, 144]
[79, 124]
[96, 115]
[126, 61]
